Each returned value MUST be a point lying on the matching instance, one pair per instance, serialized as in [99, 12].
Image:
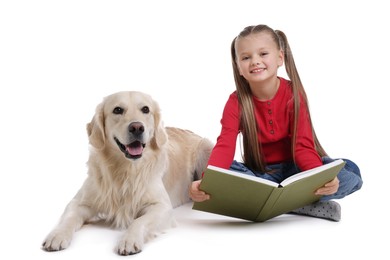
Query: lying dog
[138, 170]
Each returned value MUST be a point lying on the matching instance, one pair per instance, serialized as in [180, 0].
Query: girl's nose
[255, 62]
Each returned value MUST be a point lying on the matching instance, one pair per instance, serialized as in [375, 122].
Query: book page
[310, 172]
[243, 175]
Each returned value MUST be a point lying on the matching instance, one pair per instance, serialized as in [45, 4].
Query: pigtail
[252, 154]
[298, 91]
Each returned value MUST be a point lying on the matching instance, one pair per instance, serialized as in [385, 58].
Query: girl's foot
[330, 210]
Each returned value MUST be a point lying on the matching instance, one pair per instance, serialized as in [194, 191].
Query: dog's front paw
[57, 240]
[130, 246]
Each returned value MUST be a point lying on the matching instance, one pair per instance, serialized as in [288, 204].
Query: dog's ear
[160, 135]
[95, 128]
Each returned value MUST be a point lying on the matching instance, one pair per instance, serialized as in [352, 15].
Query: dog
[138, 171]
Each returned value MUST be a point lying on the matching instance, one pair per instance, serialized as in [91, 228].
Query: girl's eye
[145, 109]
[244, 58]
[264, 54]
[118, 111]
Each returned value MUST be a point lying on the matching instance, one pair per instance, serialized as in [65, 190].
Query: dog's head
[128, 122]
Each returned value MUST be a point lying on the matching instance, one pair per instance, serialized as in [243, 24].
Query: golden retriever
[138, 171]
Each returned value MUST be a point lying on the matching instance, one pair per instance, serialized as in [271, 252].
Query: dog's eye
[145, 110]
[118, 111]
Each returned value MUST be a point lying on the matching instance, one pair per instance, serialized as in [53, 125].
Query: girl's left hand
[329, 188]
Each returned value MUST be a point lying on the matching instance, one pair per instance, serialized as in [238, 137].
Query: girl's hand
[329, 188]
[196, 194]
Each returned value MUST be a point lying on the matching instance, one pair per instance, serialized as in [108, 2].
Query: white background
[58, 59]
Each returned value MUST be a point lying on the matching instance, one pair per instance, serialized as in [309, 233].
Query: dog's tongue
[134, 148]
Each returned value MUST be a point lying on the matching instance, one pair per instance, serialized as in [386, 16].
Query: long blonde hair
[252, 155]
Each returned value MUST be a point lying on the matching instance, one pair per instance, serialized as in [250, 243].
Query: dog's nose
[136, 128]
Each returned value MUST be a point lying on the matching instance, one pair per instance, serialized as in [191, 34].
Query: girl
[272, 114]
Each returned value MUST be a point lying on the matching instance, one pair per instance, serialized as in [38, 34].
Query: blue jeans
[349, 177]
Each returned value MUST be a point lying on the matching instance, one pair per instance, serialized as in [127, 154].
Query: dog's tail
[203, 152]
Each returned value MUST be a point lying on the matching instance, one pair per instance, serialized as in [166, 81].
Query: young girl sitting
[272, 114]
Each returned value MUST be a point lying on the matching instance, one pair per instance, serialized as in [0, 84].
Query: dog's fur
[138, 170]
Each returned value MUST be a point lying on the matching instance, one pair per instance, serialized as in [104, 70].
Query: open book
[253, 198]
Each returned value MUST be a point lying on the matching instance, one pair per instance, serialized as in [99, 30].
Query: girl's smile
[257, 70]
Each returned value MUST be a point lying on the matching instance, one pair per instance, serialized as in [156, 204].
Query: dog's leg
[154, 219]
[72, 219]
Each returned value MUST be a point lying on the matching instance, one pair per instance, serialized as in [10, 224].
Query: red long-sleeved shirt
[275, 118]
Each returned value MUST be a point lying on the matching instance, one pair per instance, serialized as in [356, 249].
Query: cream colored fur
[132, 194]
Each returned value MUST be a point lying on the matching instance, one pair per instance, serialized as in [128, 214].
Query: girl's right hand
[196, 194]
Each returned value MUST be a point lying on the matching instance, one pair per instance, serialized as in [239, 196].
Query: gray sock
[330, 210]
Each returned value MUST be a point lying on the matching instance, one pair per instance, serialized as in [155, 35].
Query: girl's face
[258, 57]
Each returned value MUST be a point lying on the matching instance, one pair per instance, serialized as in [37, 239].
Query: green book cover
[255, 199]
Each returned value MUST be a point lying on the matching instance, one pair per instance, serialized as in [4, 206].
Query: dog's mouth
[133, 150]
